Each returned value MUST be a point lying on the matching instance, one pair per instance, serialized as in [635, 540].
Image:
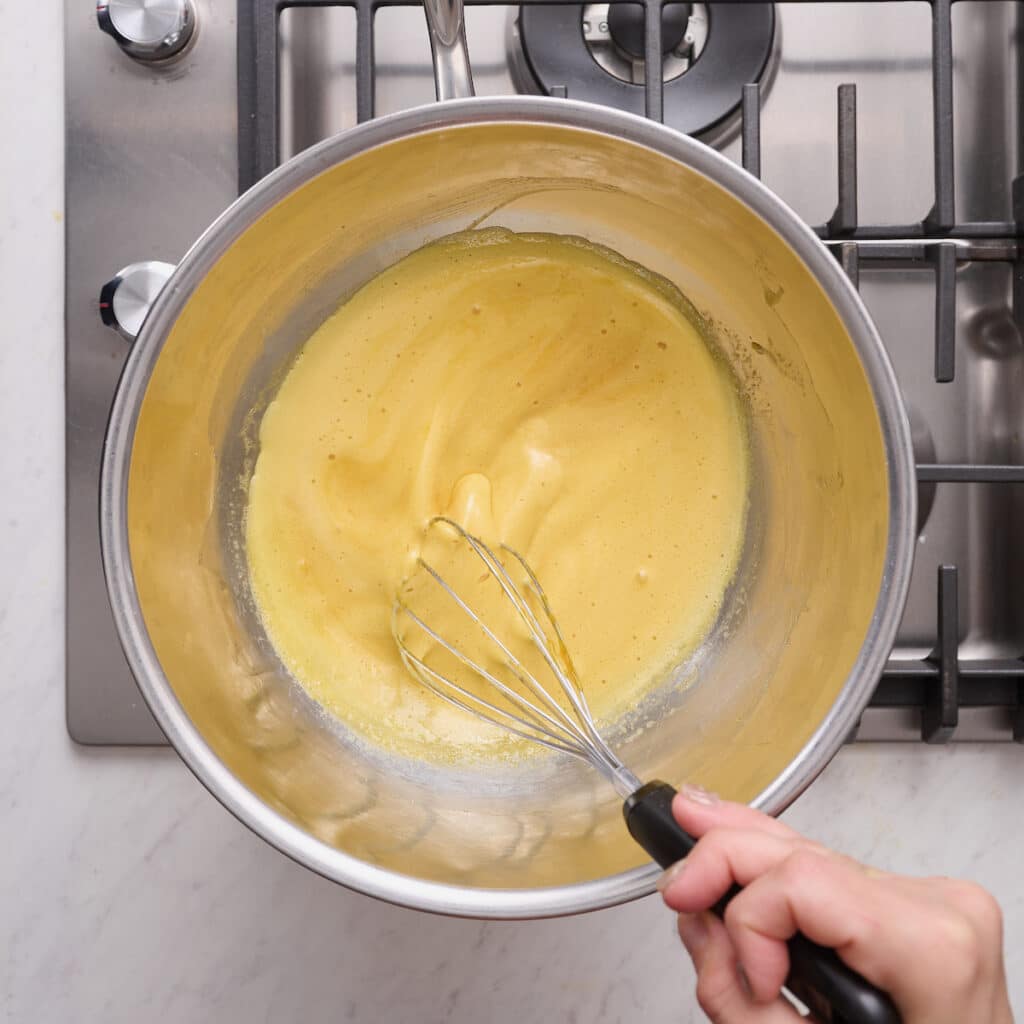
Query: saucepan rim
[156, 689]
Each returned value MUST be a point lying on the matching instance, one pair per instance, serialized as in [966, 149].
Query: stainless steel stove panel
[151, 160]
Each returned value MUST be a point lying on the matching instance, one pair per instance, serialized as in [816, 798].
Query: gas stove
[896, 129]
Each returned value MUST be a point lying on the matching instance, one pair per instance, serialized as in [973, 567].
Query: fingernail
[698, 795]
[693, 931]
[669, 876]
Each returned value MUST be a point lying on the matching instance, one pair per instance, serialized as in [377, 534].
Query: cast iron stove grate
[940, 684]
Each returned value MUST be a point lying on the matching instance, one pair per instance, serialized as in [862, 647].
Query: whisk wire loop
[511, 661]
[536, 714]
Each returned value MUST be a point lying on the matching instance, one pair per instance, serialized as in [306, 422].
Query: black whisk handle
[834, 992]
[649, 818]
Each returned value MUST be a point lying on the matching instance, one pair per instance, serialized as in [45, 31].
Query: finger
[723, 856]
[870, 922]
[720, 988]
[699, 811]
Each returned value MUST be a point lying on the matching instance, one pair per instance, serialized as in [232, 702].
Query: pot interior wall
[818, 523]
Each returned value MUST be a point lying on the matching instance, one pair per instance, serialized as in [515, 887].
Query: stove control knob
[126, 298]
[149, 30]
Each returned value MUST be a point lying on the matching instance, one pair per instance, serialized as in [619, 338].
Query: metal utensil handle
[833, 991]
[453, 77]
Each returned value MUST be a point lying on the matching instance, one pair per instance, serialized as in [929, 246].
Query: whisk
[497, 670]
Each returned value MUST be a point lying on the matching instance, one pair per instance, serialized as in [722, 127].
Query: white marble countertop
[128, 894]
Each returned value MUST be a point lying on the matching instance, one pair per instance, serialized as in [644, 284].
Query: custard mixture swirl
[546, 394]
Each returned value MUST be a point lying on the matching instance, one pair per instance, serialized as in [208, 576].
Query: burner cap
[551, 53]
[626, 26]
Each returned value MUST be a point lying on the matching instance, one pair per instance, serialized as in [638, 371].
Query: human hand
[934, 944]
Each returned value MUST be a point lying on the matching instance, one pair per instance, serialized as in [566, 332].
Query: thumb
[721, 991]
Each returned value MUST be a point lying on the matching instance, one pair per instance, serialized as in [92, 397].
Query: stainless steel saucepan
[804, 634]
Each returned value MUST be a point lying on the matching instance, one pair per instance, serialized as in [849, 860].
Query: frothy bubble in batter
[543, 392]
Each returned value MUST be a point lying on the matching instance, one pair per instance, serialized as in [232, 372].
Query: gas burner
[615, 38]
[596, 54]
[924, 454]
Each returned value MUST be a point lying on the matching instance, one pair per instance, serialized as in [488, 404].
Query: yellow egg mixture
[543, 392]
